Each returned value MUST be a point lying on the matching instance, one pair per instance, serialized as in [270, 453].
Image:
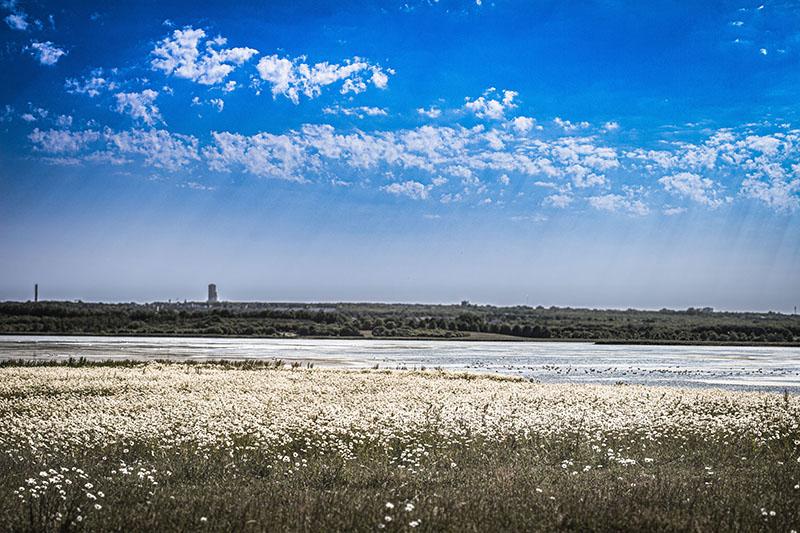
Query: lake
[739, 367]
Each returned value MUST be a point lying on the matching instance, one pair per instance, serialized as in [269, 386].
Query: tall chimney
[36, 292]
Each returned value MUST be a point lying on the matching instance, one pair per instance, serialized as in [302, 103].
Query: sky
[602, 154]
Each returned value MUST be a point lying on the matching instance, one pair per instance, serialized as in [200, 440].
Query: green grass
[493, 487]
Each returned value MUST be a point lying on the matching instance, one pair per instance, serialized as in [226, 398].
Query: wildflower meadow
[227, 447]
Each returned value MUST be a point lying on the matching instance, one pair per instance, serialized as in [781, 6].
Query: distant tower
[212, 293]
[36, 292]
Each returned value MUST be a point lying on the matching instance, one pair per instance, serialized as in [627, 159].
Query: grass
[175, 447]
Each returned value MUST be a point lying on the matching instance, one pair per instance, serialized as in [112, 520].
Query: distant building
[212, 293]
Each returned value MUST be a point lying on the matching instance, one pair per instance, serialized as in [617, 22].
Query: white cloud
[672, 211]
[432, 112]
[159, 148]
[504, 179]
[766, 160]
[140, 106]
[182, 55]
[780, 193]
[46, 52]
[523, 125]
[763, 143]
[615, 202]
[451, 198]
[8, 114]
[559, 200]
[196, 186]
[17, 21]
[64, 121]
[358, 112]
[468, 177]
[571, 151]
[491, 104]
[610, 126]
[218, 103]
[693, 186]
[466, 153]
[61, 141]
[566, 125]
[294, 77]
[35, 113]
[379, 78]
[263, 154]
[413, 189]
[92, 85]
[583, 177]
[536, 217]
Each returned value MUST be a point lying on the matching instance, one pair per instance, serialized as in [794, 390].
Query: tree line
[397, 320]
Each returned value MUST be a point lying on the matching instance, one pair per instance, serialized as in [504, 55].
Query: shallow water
[736, 367]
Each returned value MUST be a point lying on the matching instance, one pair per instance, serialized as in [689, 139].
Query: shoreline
[478, 337]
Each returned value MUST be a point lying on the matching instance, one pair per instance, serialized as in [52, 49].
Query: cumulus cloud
[292, 78]
[64, 121]
[464, 153]
[566, 125]
[524, 124]
[766, 159]
[35, 114]
[156, 148]
[140, 106]
[61, 141]
[188, 54]
[431, 112]
[358, 112]
[615, 202]
[778, 192]
[91, 85]
[263, 154]
[492, 104]
[693, 186]
[17, 21]
[46, 52]
[583, 177]
[559, 200]
[412, 189]
[159, 148]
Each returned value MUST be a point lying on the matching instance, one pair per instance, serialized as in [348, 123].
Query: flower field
[156, 446]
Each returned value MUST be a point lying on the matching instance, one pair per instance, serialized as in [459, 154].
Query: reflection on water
[718, 366]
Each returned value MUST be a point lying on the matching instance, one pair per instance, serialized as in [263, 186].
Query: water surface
[738, 367]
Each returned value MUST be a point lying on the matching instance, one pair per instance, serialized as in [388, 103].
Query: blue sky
[604, 154]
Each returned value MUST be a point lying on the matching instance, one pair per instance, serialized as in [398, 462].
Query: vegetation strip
[465, 321]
